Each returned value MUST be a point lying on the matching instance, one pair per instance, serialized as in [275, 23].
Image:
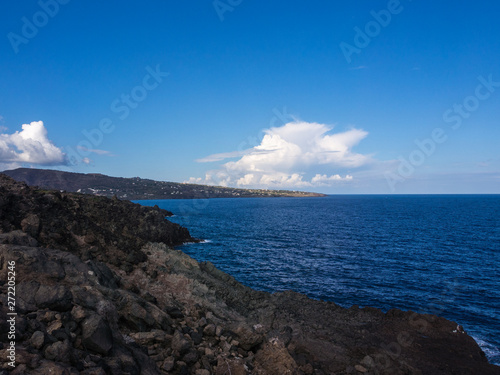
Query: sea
[436, 254]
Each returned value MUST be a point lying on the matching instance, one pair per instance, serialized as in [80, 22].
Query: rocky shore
[100, 290]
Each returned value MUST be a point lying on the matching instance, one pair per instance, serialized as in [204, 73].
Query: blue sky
[337, 97]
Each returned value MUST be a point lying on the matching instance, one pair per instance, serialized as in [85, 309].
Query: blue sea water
[429, 253]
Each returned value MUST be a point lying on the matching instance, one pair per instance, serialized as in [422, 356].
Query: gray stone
[56, 298]
[37, 339]
[360, 368]
[191, 356]
[202, 322]
[196, 337]
[26, 291]
[149, 338]
[97, 335]
[169, 364]
[78, 313]
[218, 331]
[18, 237]
[247, 338]
[180, 343]
[58, 351]
[209, 330]
[31, 225]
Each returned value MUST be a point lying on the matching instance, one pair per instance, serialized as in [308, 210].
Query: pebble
[218, 331]
[360, 368]
[169, 364]
[210, 330]
[37, 339]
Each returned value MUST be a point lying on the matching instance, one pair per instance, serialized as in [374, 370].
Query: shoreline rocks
[158, 311]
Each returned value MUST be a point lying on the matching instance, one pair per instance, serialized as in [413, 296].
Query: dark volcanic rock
[107, 230]
[96, 334]
[57, 298]
[95, 295]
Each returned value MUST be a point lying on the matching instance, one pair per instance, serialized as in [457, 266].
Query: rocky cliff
[99, 290]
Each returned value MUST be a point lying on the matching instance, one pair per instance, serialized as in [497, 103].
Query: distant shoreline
[138, 188]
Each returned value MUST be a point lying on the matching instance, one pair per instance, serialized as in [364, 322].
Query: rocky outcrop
[108, 230]
[79, 313]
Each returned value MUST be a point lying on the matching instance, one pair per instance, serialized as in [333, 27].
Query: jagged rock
[180, 343]
[247, 338]
[96, 334]
[275, 359]
[58, 351]
[233, 366]
[65, 220]
[55, 325]
[18, 237]
[53, 368]
[78, 313]
[148, 338]
[196, 337]
[168, 364]
[87, 299]
[26, 291]
[31, 225]
[56, 298]
[209, 330]
[191, 356]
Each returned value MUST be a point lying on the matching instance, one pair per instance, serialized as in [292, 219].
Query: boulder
[57, 298]
[96, 335]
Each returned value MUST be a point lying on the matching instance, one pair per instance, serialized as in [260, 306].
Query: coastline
[117, 298]
[138, 188]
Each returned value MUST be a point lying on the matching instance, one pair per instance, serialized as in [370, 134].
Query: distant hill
[137, 188]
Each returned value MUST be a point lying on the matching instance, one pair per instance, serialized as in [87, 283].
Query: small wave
[492, 352]
[197, 242]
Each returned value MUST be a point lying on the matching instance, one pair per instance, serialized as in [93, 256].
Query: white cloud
[30, 145]
[94, 150]
[323, 179]
[222, 156]
[286, 155]
[359, 67]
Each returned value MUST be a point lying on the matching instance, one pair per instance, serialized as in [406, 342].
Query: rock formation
[100, 290]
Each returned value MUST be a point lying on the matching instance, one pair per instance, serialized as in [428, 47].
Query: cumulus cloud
[286, 155]
[30, 145]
